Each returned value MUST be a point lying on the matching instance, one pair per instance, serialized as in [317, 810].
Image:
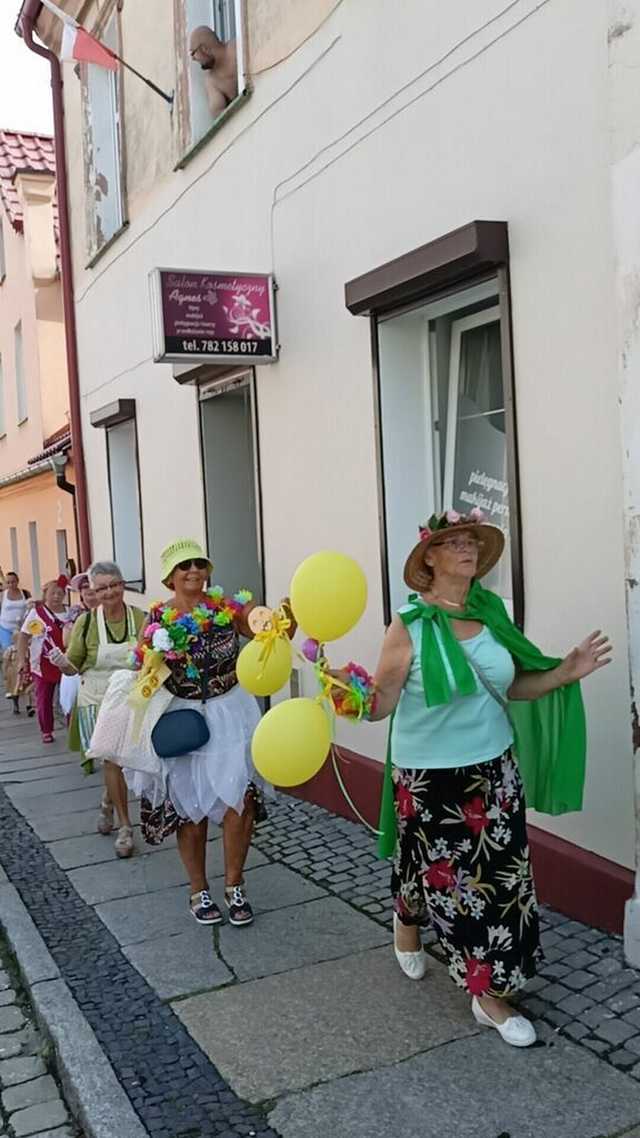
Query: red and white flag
[79, 44]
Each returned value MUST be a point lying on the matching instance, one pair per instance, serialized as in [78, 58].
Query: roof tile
[22, 153]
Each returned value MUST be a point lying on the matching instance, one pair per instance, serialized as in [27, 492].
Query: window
[124, 489]
[35, 559]
[445, 400]
[62, 548]
[102, 147]
[3, 428]
[206, 92]
[3, 259]
[21, 385]
[15, 557]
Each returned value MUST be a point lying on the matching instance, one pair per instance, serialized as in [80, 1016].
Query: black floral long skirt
[462, 866]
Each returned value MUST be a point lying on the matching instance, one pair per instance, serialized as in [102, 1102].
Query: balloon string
[347, 796]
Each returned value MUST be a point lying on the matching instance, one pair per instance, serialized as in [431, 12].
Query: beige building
[443, 194]
[37, 528]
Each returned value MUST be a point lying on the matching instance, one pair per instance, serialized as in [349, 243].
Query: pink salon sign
[211, 316]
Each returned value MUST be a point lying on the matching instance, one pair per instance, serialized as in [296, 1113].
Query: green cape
[550, 733]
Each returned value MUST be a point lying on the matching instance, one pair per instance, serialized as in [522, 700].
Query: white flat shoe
[413, 964]
[516, 1030]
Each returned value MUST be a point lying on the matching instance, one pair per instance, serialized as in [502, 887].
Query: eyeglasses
[107, 588]
[196, 563]
[459, 544]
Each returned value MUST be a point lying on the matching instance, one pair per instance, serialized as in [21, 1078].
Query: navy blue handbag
[179, 732]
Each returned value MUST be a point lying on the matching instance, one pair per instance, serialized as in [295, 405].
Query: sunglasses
[195, 563]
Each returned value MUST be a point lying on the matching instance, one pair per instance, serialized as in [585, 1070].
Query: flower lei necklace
[176, 635]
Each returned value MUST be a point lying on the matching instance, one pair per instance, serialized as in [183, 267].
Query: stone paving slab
[58, 784]
[180, 965]
[31, 1121]
[21, 1070]
[81, 822]
[470, 1088]
[145, 874]
[49, 805]
[323, 1022]
[146, 916]
[42, 1089]
[32, 749]
[92, 849]
[303, 934]
[33, 769]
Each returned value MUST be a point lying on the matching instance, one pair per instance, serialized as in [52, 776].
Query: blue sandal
[204, 908]
[240, 911]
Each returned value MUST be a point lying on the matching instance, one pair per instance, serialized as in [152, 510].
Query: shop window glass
[442, 407]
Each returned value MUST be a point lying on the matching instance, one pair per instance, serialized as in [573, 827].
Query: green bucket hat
[183, 549]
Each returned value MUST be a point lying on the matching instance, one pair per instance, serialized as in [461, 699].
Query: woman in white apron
[100, 645]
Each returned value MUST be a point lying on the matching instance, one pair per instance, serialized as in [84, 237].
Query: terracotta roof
[22, 153]
[56, 443]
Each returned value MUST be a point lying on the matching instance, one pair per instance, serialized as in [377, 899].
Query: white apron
[95, 681]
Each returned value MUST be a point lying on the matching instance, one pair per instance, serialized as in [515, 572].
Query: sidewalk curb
[90, 1085]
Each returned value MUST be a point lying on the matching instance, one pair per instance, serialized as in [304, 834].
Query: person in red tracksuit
[41, 632]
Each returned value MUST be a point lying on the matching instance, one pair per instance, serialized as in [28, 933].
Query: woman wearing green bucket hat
[192, 641]
[453, 812]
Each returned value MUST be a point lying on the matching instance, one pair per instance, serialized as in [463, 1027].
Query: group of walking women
[453, 671]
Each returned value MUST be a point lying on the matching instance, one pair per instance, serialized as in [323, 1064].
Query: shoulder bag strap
[488, 686]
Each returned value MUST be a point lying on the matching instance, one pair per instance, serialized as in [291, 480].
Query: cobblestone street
[301, 1026]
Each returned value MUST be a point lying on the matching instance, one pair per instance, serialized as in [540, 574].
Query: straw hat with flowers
[418, 575]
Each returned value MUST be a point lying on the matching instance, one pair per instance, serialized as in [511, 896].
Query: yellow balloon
[328, 595]
[291, 742]
[266, 676]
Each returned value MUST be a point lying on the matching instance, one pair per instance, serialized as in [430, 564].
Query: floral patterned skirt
[462, 866]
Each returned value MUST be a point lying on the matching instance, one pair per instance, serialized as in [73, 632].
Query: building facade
[37, 526]
[434, 193]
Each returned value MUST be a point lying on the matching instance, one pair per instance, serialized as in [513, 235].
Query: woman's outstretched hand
[592, 654]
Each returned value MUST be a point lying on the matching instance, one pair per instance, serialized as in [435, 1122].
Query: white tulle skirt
[207, 782]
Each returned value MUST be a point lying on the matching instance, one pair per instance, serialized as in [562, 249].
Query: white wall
[339, 172]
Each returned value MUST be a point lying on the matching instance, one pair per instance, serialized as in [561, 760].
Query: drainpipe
[624, 132]
[24, 28]
[59, 467]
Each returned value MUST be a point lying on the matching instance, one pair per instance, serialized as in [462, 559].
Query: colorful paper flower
[161, 640]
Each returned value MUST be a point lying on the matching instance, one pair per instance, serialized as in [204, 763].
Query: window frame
[3, 410]
[34, 553]
[187, 147]
[3, 253]
[20, 376]
[95, 252]
[14, 546]
[106, 418]
[471, 255]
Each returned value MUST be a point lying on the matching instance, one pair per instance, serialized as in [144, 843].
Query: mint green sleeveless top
[471, 728]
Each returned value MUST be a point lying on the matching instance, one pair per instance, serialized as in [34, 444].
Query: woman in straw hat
[453, 805]
[196, 635]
